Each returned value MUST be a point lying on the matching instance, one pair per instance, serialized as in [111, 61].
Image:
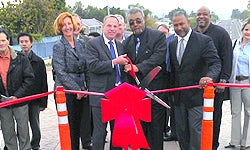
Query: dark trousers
[34, 111]
[153, 130]
[188, 126]
[218, 101]
[75, 109]
[172, 117]
[99, 130]
[86, 128]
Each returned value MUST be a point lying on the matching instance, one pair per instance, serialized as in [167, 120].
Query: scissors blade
[156, 98]
[149, 77]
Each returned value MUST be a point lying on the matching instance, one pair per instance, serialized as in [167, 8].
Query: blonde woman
[240, 96]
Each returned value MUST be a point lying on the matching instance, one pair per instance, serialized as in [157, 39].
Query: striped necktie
[137, 46]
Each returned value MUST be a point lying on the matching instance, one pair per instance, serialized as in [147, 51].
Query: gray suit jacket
[69, 65]
[102, 74]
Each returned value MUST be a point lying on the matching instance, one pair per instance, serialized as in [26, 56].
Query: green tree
[59, 5]
[172, 12]
[78, 8]
[94, 12]
[235, 14]
[214, 17]
[33, 16]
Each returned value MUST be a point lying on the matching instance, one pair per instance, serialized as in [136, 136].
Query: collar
[7, 55]
[106, 40]
[186, 37]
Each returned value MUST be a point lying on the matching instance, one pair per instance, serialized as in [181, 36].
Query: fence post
[63, 123]
[207, 122]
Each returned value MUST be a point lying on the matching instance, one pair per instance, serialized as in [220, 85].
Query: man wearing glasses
[147, 49]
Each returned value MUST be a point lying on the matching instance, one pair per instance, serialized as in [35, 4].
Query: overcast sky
[222, 8]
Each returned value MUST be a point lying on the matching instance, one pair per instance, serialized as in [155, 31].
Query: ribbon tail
[128, 132]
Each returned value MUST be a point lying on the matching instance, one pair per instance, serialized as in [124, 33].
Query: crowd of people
[98, 63]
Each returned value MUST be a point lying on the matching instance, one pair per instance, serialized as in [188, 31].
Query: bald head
[204, 8]
[203, 18]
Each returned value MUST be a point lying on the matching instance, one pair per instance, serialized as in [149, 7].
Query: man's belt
[240, 78]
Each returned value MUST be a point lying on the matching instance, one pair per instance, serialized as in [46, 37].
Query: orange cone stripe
[208, 102]
[63, 120]
[62, 113]
[207, 122]
[208, 116]
[63, 123]
[208, 109]
[61, 107]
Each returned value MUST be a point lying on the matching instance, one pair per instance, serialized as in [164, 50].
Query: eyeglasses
[137, 20]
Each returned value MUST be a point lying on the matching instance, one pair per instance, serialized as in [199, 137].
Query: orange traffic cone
[207, 122]
[63, 123]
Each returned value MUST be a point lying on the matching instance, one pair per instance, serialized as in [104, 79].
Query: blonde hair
[58, 23]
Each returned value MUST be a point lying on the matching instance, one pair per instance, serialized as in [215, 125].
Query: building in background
[92, 25]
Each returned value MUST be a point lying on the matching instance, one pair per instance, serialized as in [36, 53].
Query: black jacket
[20, 76]
[200, 59]
[40, 85]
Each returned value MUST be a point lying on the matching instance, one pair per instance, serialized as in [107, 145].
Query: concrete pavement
[50, 135]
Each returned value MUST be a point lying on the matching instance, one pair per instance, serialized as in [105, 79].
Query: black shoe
[171, 138]
[87, 146]
[244, 147]
[230, 146]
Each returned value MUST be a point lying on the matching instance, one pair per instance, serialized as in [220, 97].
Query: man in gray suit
[194, 60]
[105, 72]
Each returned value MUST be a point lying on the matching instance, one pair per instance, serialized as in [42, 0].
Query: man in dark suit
[105, 57]
[85, 128]
[194, 60]
[223, 44]
[147, 49]
[25, 41]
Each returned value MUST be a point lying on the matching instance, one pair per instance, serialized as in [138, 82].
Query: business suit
[199, 60]
[70, 68]
[151, 53]
[86, 127]
[102, 79]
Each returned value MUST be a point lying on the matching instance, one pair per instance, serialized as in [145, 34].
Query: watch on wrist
[223, 81]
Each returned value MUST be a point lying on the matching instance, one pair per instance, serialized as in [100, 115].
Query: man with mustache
[147, 49]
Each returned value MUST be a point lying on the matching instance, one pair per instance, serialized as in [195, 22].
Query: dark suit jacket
[69, 65]
[151, 53]
[40, 85]
[200, 59]
[102, 74]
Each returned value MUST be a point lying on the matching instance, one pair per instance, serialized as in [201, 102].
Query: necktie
[137, 46]
[112, 51]
[181, 51]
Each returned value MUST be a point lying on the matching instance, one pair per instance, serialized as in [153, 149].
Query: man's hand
[220, 89]
[80, 96]
[121, 60]
[42, 109]
[128, 68]
[204, 81]
[5, 98]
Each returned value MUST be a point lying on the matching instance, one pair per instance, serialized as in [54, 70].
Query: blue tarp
[43, 48]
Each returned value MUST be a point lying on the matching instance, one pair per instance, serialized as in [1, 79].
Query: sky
[222, 8]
